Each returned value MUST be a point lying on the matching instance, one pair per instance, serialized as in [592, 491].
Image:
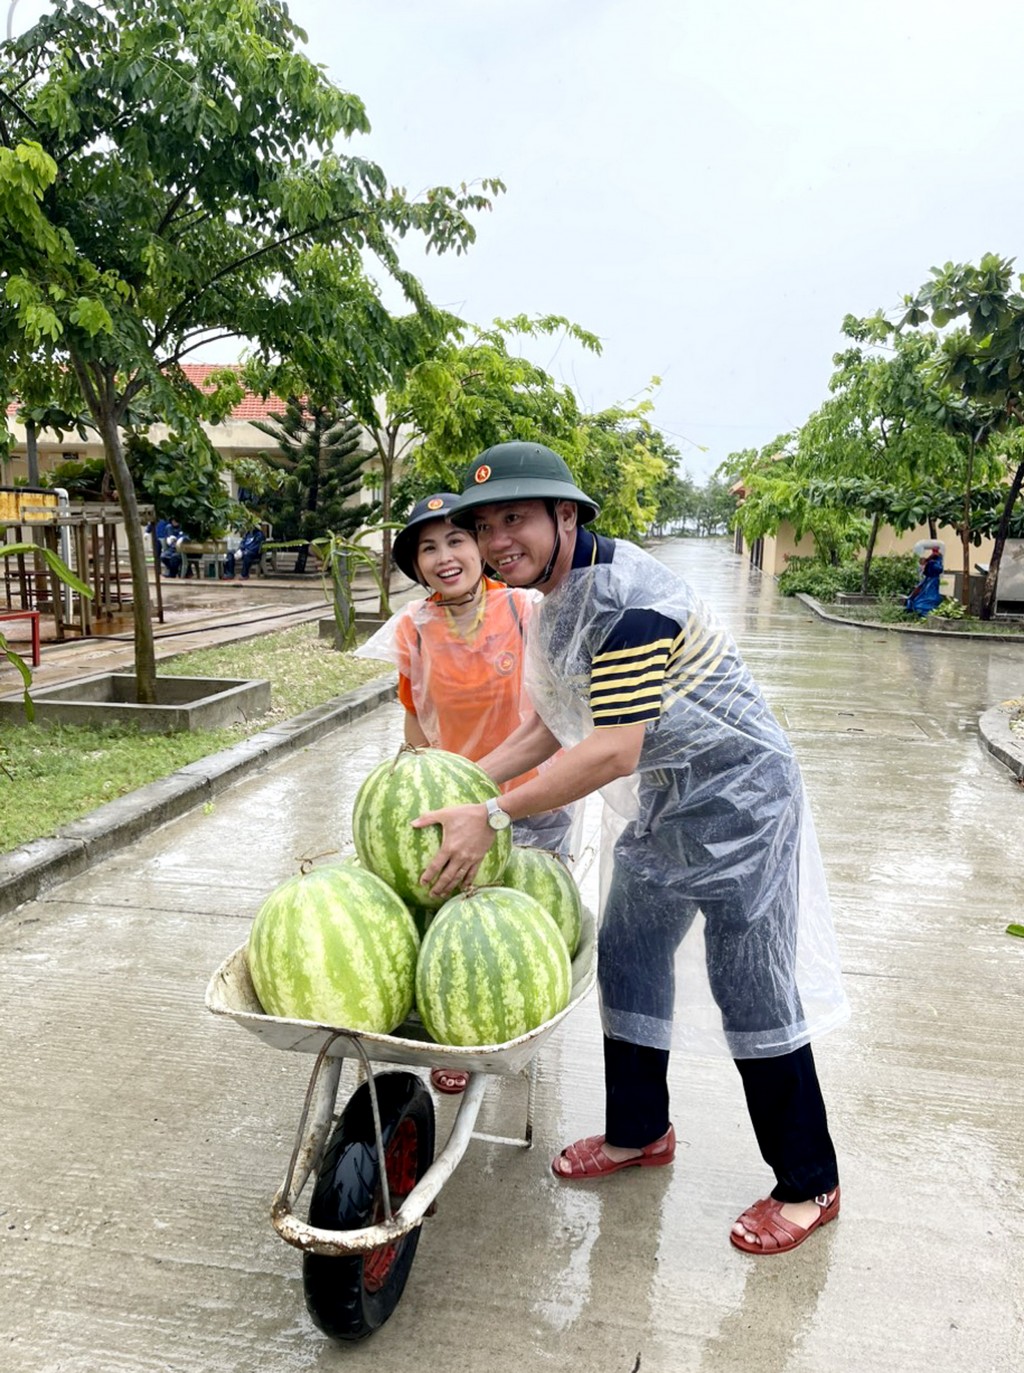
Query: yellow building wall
[779, 548]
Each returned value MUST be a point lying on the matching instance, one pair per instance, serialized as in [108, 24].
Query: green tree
[674, 494]
[775, 489]
[471, 391]
[621, 462]
[983, 362]
[715, 507]
[169, 177]
[321, 452]
[876, 427]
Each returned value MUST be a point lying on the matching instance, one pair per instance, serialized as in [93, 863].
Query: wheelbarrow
[376, 1174]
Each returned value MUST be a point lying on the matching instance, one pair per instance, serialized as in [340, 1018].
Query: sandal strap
[585, 1157]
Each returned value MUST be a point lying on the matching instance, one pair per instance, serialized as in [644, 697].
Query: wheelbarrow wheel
[351, 1297]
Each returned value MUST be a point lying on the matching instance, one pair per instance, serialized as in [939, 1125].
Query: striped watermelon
[337, 946]
[545, 877]
[492, 967]
[395, 794]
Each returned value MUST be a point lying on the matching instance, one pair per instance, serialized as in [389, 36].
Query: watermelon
[492, 966]
[396, 793]
[422, 916]
[545, 877]
[337, 946]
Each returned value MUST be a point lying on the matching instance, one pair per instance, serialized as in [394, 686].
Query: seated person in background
[172, 555]
[158, 530]
[249, 551]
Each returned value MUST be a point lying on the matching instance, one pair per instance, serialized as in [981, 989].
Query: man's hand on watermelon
[466, 837]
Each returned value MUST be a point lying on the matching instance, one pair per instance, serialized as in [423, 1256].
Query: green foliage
[202, 194]
[60, 570]
[622, 461]
[948, 609]
[471, 391]
[339, 560]
[982, 364]
[84, 479]
[812, 577]
[319, 450]
[181, 477]
[894, 575]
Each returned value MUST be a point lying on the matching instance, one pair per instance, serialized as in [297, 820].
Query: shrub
[949, 609]
[812, 577]
[892, 575]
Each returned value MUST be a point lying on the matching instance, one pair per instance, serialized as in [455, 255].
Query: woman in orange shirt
[459, 652]
[459, 655]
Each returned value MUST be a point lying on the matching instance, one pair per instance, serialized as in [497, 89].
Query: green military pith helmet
[439, 506]
[519, 472]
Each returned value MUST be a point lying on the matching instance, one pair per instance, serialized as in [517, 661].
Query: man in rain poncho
[716, 931]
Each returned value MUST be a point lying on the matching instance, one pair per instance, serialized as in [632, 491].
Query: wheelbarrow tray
[231, 993]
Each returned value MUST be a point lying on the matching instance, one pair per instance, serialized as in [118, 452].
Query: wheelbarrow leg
[525, 1141]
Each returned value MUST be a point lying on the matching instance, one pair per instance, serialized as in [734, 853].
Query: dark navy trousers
[783, 1098]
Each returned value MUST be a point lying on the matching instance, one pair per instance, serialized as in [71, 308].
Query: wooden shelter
[89, 536]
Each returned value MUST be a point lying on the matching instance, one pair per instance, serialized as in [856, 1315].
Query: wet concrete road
[142, 1139]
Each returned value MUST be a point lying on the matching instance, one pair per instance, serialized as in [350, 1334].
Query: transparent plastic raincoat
[716, 932]
[465, 686]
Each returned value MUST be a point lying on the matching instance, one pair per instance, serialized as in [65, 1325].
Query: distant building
[236, 437]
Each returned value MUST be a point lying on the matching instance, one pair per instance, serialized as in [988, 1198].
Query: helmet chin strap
[468, 598]
[549, 566]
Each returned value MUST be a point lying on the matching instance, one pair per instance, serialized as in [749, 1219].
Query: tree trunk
[31, 448]
[387, 483]
[965, 531]
[145, 654]
[869, 553]
[988, 606]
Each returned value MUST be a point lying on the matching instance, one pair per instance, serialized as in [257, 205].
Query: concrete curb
[824, 614]
[26, 872]
[1001, 741]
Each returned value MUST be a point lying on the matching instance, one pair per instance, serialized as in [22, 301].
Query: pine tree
[320, 449]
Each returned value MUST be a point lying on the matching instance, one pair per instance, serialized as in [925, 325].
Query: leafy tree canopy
[171, 174]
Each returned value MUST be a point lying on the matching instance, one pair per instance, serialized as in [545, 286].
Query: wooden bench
[281, 562]
[32, 615]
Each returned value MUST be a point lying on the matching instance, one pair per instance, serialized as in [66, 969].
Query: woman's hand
[465, 838]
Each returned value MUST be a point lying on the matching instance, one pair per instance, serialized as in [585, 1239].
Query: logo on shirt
[505, 664]
[482, 473]
[435, 504]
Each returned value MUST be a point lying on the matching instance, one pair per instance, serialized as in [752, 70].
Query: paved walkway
[143, 1139]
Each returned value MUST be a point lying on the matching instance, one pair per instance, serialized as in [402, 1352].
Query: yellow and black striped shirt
[629, 672]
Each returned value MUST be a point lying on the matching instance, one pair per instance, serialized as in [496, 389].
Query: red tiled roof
[249, 408]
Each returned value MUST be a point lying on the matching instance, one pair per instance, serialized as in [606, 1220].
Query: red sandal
[775, 1234]
[451, 1083]
[588, 1160]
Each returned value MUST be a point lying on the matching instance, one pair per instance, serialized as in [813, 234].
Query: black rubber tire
[351, 1297]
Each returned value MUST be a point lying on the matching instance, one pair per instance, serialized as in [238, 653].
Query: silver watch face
[497, 818]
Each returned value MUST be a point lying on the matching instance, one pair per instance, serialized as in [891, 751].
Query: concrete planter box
[855, 598]
[183, 703]
[366, 624]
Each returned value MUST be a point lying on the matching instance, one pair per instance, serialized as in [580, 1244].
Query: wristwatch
[497, 818]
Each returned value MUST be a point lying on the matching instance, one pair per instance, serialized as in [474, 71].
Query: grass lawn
[49, 777]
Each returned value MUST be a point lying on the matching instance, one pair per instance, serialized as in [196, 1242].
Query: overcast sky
[708, 185]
